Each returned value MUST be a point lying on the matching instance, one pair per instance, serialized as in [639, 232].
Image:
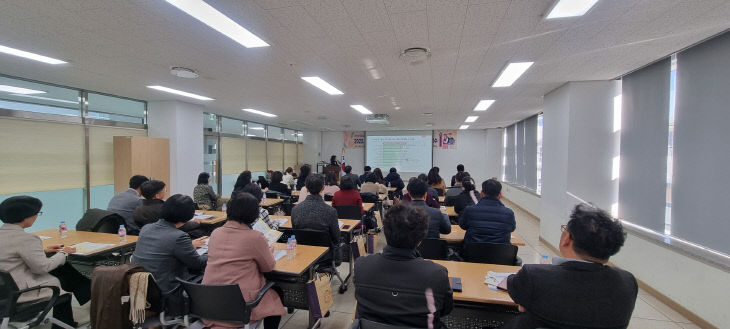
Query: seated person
[438, 222]
[23, 256]
[348, 195]
[435, 180]
[330, 184]
[244, 178]
[364, 177]
[397, 287]
[455, 189]
[263, 183]
[126, 202]
[314, 214]
[256, 192]
[466, 198]
[431, 195]
[277, 185]
[393, 180]
[459, 168]
[237, 254]
[348, 173]
[203, 193]
[151, 208]
[488, 220]
[167, 252]
[579, 290]
[304, 171]
[288, 178]
[371, 185]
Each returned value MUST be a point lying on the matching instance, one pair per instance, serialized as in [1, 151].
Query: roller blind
[276, 155]
[256, 154]
[290, 154]
[644, 129]
[520, 174]
[530, 155]
[101, 152]
[700, 194]
[233, 155]
[40, 156]
[510, 166]
[300, 154]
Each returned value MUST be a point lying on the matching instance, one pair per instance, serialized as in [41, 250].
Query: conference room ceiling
[120, 47]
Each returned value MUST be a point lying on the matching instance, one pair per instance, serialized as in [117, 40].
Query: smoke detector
[415, 55]
[183, 72]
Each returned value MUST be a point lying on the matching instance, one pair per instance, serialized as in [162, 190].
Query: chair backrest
[369, 197]
[273, 195]
[287, 207]
[348, 212]
[8, 288]
[434, 249]
[490, 253]
[328, 197]
[368, 324]
[313, 237]
[217, 302]
[99, 220]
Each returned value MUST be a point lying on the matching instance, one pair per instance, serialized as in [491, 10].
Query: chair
[157, 302]
[328, 264]
[348, 212]
[368, 197]
[490, 253]
[98, 220]
[434, 249]
[220, 302]
[328, 197]
[274, 195]
[31, 314]
[368, 324]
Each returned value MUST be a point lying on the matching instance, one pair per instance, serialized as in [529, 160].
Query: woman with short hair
[348, 195]
[203, 193]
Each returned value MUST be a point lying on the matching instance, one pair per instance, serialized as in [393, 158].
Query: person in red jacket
[348, 195]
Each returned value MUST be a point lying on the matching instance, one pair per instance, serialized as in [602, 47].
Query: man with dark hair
[364, 177]
[488, 220]
[579, 290]
[126, 202]
[150, 211]
[455, 188]
[397, 287]
[438, 222]
[348, 173]
[459, 169]
[314, 214]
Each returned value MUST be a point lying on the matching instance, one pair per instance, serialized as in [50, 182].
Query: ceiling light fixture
[483, 105]
[256, 128]
[266, 114]
[18, 90]
[29, 55]
[47, 99]
[219, 22]
[324, 85]
[361, 109]
[462, 127]
[471, 118]
[181, 93]
[571, 8]
[511, 73]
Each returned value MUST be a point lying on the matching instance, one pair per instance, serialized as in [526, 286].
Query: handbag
[319, 295]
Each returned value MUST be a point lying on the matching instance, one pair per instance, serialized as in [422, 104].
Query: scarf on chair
[138, 296]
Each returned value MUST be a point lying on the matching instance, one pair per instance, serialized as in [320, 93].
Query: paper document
[281, 221]
[198, 213]
[203, 216]
[84, 248]
[204, 248]
[340, 223]
[271, 235]
[279, 254]
[494, 278]
[44, 237]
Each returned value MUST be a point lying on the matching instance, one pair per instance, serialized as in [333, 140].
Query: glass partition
[275, 149]
[104, 107]
[22, 95]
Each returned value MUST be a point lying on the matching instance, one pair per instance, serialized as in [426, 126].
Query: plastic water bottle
[62, 229]
[263, 198]
[388, 184]
[294, 246]
[223, 207]
[544, 259]
[289, 249]
[122, 234]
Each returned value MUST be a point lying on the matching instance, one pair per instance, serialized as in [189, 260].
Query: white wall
[182, 124]
[528, 201]
[312, 147]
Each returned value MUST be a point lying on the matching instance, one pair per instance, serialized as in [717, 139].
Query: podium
[332, 168]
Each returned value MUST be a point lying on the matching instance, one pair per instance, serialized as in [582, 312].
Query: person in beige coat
[23, 256]
[238, 254]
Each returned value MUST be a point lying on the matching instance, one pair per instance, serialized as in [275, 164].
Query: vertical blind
[700, 186]
[521, 153]
[644, 130]
[530, 156]
[509, 153]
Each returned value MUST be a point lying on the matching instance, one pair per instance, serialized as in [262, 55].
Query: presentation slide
[411, 153]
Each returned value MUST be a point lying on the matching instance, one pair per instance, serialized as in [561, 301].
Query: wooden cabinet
[137, 155]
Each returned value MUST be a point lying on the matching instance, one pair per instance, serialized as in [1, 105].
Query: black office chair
[157, 303]
[434, 249]
[348, 212]
[368, 197]
[328, 197]
[220, 302]
[329, 262]
[369, 324]
[31, 314]
[98, 220]
[491, 253]
[274, 195]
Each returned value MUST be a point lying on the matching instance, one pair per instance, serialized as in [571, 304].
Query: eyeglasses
[564, 228]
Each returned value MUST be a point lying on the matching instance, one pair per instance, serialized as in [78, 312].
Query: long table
[51, 237]
[450, 211]
[457, 236]
[366, 206]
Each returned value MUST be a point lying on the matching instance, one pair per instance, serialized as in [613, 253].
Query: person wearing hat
[23, 256]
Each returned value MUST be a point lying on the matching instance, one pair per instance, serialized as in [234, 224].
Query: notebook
[271, 235]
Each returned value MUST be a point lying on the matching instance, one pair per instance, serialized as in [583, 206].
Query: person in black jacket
[243, 179]
[579, 290]
[398, 287]
[364, 177]
[276, 184]
[304, 171]
[467, 197]
[393, 180]
[488, 220]
[459, 169]
[438, 222]
[151, 209]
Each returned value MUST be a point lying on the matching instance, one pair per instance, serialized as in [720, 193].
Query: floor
[649, 312]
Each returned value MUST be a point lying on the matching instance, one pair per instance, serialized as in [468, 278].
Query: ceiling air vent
[415, 55]
[381, 119]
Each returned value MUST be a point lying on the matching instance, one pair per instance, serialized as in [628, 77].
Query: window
[22, 95]
[522, 159]
[275, 148]
[105, 107]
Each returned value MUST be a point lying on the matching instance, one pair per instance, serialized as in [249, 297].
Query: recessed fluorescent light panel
[462, 127]
[266, 114]
[361, 109]
[483, 105]
[511, 73]
[219, 22]
[18, 90]
[181, 93]
[571, 8]
[471, 118]
[324, 85]
[29, 55]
